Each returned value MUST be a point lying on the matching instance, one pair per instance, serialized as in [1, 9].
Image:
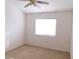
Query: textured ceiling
[54, 5]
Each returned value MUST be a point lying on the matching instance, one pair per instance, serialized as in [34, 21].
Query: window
[45, 27]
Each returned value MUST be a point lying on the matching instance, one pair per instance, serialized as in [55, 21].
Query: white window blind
[45, 27]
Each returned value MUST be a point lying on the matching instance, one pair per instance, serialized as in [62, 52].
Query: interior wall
[71, 48]
[63, 31]
[14, 27]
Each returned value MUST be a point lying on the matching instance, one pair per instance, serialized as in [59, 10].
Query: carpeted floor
[31, 52]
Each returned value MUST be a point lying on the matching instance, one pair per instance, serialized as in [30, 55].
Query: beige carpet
[30, 52]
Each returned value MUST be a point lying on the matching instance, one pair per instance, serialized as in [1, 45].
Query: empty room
[38, 29]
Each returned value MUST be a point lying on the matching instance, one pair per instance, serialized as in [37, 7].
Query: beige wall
[63, 33]
[14, 27]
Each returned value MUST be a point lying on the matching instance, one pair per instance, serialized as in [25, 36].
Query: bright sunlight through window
[45, 27]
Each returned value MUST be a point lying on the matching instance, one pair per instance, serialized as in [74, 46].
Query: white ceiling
[54, 5]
